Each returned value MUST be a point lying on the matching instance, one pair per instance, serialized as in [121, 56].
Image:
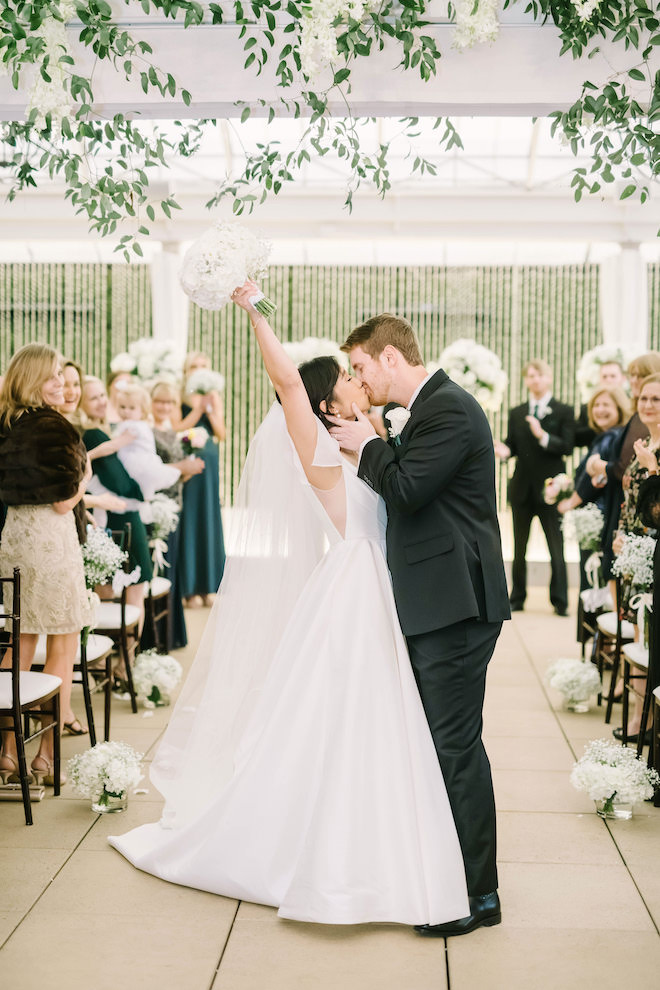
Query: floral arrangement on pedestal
[192, 439]
[155, 676]
[105, 774]
[148, 359]
[476, 369]
[221, 260]
[588, 373]
[577, 680]
[614, 777]
[203, 381]
[557, 488]
[309, 348]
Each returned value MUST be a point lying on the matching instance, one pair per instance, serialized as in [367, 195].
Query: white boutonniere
[398, 418]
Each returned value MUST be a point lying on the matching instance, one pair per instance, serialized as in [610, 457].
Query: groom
[437, 477]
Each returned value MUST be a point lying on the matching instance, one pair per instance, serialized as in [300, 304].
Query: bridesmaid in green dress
[202, 549]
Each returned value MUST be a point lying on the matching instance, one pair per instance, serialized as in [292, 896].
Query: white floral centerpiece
[309, 348]
[476, 369]
[192, 439]
[155, 676]
[148, 358]
[203, 381]
[221, 260]
[588, 373]
[557, 488]
[611, 774]
[105, 774]
[576, 679]
[585, 525]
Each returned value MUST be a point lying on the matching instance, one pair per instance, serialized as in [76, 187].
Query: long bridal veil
[280, 536]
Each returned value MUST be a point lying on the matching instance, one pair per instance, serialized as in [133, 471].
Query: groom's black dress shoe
[485, 910]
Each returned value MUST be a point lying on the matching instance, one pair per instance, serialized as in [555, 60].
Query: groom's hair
[375, 334]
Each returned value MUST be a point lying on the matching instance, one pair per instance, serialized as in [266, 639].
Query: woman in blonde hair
[43, 474]
[202, 552]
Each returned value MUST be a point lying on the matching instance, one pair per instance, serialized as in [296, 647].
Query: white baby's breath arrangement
[155, 677]
[609, 772]
[107, 770]
[309, 348]
[476, 369]
[148, 358]
[576, 679]
[221, 260]
[162, 517]
[102, 558]
[203, 381]
[588, 373]
[635, 562]
[585, 525]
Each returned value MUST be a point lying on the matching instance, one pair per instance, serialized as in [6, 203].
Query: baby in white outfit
[139, 457]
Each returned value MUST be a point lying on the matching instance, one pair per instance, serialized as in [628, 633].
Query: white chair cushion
[160, 586]
[108, 615]
[32, 686]
[607, 624]
[97, 646]
[656, 694]
[637, 654]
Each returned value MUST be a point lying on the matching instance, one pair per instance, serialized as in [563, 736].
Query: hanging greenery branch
[313, 46]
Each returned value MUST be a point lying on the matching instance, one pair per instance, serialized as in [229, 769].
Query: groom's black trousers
[450, 668]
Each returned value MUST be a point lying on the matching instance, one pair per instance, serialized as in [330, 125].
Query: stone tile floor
[581, 897]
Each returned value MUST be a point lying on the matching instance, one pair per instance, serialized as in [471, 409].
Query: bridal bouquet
[221, 260]
[588, 373]
[102, 558]
[476, 369]
[203, 381]
[557, 488]
[105, 774]
[309, 348]
[155, 677]
[193, 439]
[576, 679]
[613, 774]
[148, 358]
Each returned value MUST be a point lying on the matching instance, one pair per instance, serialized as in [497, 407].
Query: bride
[298, 768]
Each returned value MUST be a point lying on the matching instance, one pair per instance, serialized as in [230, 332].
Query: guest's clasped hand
[351, 433]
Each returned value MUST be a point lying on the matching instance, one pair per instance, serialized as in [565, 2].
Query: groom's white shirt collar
[419, 389]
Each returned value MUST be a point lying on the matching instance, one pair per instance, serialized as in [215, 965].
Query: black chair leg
[129, 672]
[108, 697]
[23, 772]
[87, 695]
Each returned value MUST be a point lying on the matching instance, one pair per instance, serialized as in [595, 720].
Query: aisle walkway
[581, 898]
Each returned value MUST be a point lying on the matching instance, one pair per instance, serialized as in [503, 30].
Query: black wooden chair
[25, 695]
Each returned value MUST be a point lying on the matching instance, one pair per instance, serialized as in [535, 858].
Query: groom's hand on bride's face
[351, 433]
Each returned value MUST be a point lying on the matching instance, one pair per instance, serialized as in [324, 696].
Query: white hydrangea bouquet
[557, 488]
[148, 358]
[105, 774]
[613, 774]
[203, 381]
[155, 677]
[309, 348]
[476, 369]
[102, 558]
[576, 679]
[221, 260]
[588, 373]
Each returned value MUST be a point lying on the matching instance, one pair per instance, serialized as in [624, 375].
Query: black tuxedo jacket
[443, 538]
[535, 463]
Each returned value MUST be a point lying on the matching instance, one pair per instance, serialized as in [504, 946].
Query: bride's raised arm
[301, 421]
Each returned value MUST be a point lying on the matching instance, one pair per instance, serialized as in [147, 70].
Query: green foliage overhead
[106, 163]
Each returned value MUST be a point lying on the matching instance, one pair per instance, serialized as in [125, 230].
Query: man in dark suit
[437, 477]
[541, 431]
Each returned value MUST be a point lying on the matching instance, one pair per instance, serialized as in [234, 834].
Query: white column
[169, 303]
[624, 300]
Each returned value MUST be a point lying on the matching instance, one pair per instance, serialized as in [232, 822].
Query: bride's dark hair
[319, 376]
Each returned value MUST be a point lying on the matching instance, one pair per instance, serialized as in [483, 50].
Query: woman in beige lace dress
[43, 474]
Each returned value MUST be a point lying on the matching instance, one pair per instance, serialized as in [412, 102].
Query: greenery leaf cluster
[106, 164]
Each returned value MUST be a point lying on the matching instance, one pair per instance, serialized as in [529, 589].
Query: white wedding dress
[325, 798]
